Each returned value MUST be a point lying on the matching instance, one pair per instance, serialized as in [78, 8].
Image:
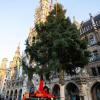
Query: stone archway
[11, 95]
[15, 94]
[7, 94]
[20, 94]
[56, 90]
[71, 92]
[95, 91]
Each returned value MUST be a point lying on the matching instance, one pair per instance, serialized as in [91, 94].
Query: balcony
[95, 58]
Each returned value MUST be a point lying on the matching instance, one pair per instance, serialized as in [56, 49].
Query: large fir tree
[57, 46]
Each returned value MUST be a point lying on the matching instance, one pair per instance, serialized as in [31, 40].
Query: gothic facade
[15, 82]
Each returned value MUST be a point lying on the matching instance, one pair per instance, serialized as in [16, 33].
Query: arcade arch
[56, 90]
[7, 94]
[15, 94]
[11, 95]
[71, 92]
[20, 94]
[95, 91]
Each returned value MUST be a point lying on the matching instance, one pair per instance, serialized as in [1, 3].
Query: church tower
[42, 11]
[15, 64]
[3, 67]
[17, 56]
[3, 73]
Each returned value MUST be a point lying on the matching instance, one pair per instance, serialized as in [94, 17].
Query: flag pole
[56, 7]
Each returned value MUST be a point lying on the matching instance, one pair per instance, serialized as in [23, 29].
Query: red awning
[41, 92]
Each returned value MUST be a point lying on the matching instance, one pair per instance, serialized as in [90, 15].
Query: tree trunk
[62, 86]
[61, 77]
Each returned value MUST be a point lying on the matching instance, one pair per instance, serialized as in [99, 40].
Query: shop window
[94, 73]
[92, 40]
[98, 70]
[95, 53]
[94, 56]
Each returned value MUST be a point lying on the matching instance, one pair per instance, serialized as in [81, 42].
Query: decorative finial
[17, 52]
[90, 14]
[92, 20]
[18, 48]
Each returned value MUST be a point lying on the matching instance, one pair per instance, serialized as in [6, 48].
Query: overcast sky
[17, 16]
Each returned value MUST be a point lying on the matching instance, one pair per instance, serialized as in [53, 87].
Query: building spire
[92, 20]
[42, 11]
[17, 52]
[15, 64]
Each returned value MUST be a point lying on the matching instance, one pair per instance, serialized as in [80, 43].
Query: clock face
[35, 80]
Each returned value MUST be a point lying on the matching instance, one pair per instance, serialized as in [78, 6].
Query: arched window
[72, 92]
[11, 94]
[15, 94]
[20, 94]
[95, 91]
[7, 95]
[92, 40]
[56, 90]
